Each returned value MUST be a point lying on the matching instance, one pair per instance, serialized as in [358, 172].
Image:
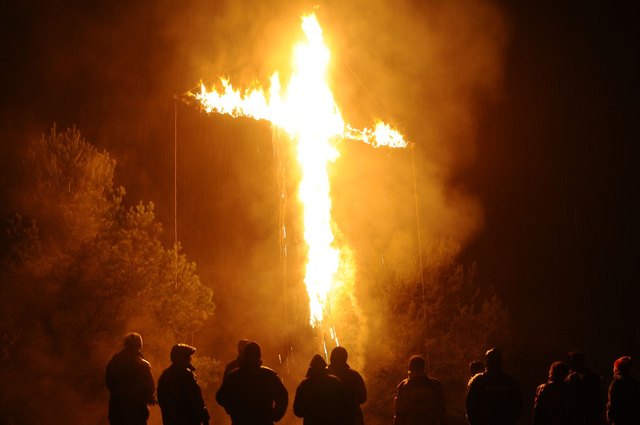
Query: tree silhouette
[80, 268]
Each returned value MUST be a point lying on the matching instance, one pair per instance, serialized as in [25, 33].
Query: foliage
[79, 270]
[208, 370]
[450, 323]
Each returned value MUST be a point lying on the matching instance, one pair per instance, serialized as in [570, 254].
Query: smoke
[428, 68]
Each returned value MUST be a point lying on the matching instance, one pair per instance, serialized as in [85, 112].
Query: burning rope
[424, 304]
[175, 191]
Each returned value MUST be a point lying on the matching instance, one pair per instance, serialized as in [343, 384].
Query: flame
[307, 111]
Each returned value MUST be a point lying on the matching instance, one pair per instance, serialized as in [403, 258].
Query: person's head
[417, 364]
[476, 367]
[133, 342]
[339, 356]
[558, 371]
[623, 366]
[576, 360]
[250, 357]
[316, 365]
[241, 344]
[493, 360]
[181, 353]
[317, 362]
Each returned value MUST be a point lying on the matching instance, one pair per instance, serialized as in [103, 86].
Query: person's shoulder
[164, 374]
[140, 363]
[403, 384]
[113, 360]
[231, 366]
[267, 371]
[502, 377]
[434, 381]
[305, 382]
[573, 377]
[425, 381]
[477, 379]
[354, 374]
[510, 381]
[542, 388]
[117, 357]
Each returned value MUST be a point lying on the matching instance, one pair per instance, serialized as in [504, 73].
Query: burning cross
[307, 112]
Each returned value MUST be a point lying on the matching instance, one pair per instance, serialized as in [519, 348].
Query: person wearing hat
[179, 394]
[623, 407]
[419, 399]
[493, 397]
[253, 394]
[321, 399]
[130, 383]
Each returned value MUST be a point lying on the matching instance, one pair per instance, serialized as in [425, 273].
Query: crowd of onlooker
[331, 394]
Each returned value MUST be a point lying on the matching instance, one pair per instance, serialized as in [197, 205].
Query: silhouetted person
[235, 363]
[253, 394]
[419, 399]
[587, 387]
[179, 394]
[321, 398]
[623, 407]
[356, 390]
[130, 383]
[554, 402]
[493, 397]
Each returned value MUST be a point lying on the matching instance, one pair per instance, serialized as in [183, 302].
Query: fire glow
[307, 112]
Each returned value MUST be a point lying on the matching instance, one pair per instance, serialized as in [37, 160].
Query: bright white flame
[307, 111]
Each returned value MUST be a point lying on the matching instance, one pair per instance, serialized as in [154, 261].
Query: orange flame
[307, 111]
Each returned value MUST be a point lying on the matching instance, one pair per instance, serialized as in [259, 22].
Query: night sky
[558, 176]
[553, 163]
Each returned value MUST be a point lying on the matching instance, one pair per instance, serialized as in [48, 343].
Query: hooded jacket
[321, 398]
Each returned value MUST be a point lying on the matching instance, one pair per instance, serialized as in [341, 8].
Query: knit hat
[622, 366]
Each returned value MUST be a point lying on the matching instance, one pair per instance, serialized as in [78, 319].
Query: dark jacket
[231, 366]
[419, 401]
[130, 383]
[586, 385]
[356, 390]
[180, 397]
[554, 404]
[623, 407]
[321, 399]
[493, 398]
[253, 396]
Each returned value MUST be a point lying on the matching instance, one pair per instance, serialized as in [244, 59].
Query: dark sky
[558, 176]
[555, 166]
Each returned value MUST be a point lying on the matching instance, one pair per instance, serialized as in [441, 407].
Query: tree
[80, 269]
[451, 323]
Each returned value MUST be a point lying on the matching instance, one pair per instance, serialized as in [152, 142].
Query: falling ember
[307, 111]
